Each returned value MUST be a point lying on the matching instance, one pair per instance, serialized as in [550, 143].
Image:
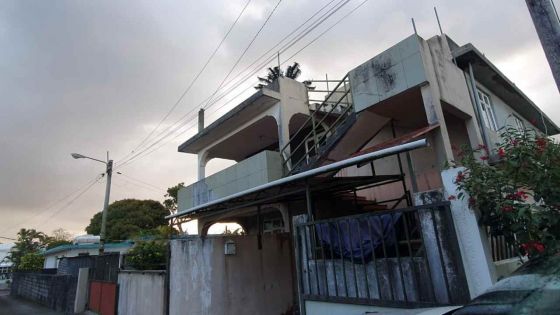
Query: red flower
[533, 245]
[472, 201]
[484, 157]
[452, 197]
[482, 147]
[538, 246]
[514, 142]
[507, 208]
[541, 144]
[460, 177]
[502, 152]
[521, 195]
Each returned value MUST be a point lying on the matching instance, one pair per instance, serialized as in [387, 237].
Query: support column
[202, 159]
[434, 115]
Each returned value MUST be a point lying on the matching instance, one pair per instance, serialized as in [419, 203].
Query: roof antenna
[438, 23]
[414, 26]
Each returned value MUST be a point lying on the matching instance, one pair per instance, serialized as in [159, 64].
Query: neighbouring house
[82, 246]
[5, 263]
[341, 189]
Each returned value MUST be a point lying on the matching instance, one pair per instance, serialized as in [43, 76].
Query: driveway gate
[103, 286]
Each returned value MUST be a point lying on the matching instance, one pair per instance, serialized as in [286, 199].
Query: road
[15, 306]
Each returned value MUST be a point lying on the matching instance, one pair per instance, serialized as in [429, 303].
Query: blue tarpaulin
[353, 236]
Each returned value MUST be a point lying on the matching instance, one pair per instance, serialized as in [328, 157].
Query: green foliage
[28, 242]
[148, 255]
[32, 261]
[127, 218]
[292, 72]
[519, 195]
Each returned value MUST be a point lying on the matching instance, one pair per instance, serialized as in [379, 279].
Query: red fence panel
[103, 297]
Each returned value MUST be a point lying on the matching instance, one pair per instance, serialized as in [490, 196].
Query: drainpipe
[477, 107]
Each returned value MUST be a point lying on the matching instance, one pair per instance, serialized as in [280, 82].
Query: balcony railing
[405, 258]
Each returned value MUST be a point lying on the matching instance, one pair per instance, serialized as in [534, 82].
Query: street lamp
[109, 172]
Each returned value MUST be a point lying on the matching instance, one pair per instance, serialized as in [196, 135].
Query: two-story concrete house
[340, 187]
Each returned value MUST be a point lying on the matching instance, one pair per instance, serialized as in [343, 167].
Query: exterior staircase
[328, 121]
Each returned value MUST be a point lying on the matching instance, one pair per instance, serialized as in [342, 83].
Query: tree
[28, 242]
[292, 72]
[59, 237]
[171, 201]
[519, 195]
[127, 218]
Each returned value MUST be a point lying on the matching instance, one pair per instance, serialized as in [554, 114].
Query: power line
[50, 206]
[178, 125]
[194, 80]
[245, 51]
[69, 203]
[141, 183]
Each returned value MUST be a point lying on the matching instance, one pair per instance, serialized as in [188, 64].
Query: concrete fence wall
[204, 280]
[54, 291]
[141, 293]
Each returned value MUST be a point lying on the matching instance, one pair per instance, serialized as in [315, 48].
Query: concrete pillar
[202, 159]
[81, 291]
[472, 238]
[434, 115]
[547, 24]
[200, 120]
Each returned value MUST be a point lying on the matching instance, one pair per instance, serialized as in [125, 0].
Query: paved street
[13, 306]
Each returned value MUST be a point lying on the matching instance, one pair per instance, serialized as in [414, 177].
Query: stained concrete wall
[253, 281]
[141, 292]
[257, 170]
[387, 74]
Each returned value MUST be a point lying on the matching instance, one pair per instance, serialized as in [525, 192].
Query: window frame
[488, 115]
[518, 123]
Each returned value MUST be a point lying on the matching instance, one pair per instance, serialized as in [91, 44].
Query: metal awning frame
[252, 196]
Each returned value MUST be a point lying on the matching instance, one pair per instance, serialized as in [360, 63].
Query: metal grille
[405, 257]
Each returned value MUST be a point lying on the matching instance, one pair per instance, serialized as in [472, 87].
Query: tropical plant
[518, 194]
[29, 241]
[292, 72]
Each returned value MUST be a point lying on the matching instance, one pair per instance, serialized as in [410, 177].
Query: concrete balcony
[256, 170]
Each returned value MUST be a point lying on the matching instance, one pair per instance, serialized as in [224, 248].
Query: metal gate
[103, 286]
[399, 258]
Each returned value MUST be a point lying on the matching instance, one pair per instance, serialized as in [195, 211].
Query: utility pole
[546, 21]
[109, 173]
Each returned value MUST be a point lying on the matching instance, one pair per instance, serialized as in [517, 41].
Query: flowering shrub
[516, 189]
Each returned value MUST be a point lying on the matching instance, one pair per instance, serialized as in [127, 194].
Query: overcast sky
[92, 76]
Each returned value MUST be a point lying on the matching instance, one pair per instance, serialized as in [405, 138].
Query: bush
[31, 262]
[148, 255]
[518, 195]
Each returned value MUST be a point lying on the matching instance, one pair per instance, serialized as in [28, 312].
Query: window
[518, 123]
[487, 112]
[273, 225]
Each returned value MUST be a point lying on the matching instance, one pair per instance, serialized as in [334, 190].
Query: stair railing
[337, 107]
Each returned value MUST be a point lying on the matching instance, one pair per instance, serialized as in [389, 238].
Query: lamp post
[109, 172]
